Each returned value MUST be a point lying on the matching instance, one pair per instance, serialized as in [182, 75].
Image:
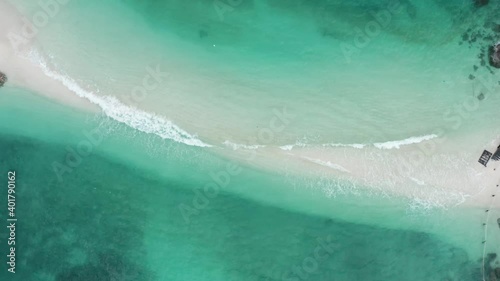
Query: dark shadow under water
[336, 19]
[93, 225]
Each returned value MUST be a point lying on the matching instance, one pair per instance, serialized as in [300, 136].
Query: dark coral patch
[3, 79]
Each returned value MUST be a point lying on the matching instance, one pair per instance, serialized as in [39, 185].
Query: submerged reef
[494, 55]
[481, 3]
[482, 37]
[492, 267]
[3, 79]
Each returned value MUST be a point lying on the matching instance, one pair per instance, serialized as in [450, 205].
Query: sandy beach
[430, 172]
[15, 52]
[435, 173]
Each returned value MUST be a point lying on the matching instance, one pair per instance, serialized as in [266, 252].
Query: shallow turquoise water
[405, 80]
[122, 211]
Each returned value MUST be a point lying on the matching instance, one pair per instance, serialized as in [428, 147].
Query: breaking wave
[327, 164]
[397, 144]
[381, 145]
[236, 146]
[133, 117]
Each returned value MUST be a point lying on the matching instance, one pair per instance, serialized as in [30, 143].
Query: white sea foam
[381, 145]
[138, 119]
[397, 144]
[327, 164]
[355, 145]
[417, 181]
[236, 146]
[287, 147]
[299, 144]
[292, 146]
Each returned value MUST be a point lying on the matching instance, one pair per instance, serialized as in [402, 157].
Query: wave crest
[380, 145]
[133, 117]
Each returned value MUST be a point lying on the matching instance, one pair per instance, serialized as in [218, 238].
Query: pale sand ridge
[20, 70]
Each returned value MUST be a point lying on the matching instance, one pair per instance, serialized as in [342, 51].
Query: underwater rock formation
[492, 271]
[3, 79]
[481, 3]
[202, 33]
[494, 53]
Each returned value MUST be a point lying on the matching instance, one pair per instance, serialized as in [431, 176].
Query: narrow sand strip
[441, 178]
[436, 172]
[20, 71]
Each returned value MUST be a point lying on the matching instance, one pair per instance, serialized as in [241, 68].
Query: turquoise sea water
[109, 220]
[250, 55]
[128, 205]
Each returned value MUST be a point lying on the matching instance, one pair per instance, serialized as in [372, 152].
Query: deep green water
[101, 219]
[110, 220]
